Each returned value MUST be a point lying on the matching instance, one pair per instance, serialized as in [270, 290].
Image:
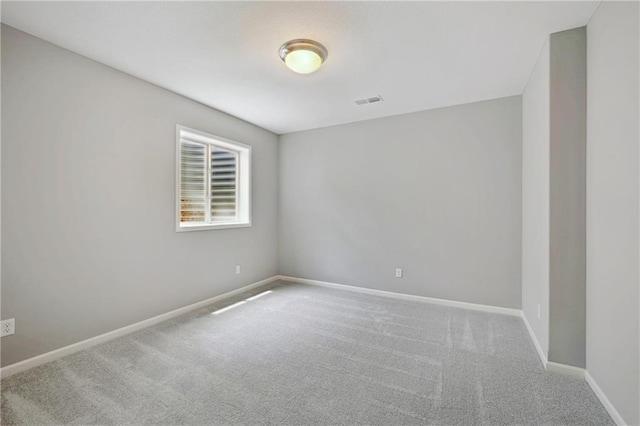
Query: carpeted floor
[308, 355]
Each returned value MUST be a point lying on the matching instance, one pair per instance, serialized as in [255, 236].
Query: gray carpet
[308, 355]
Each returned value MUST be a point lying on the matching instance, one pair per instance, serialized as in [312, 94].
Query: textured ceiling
[417, 55]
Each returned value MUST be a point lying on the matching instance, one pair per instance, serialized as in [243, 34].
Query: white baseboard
[76, 347]
[541, 354]
[604, 400]
[567, 370]
[85, 344]
[581, 373]
[403, 296]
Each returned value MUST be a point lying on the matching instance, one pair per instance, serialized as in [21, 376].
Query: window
[212, 182]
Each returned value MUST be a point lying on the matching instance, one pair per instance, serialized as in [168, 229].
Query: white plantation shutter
[224, 179]
[214, 182]
[193, 178]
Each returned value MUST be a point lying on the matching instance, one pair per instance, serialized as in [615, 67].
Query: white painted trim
[403, 296]
[567, 370]
[85, 344]
[604, 400]
[208, 227]
[541, 354]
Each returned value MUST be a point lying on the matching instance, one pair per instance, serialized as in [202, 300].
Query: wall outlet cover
[398, 272]
[7, 327]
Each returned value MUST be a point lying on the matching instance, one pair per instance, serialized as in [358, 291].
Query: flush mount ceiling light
[303, 56]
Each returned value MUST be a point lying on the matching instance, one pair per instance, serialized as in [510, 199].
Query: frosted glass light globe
[303, 61]
[303, 56]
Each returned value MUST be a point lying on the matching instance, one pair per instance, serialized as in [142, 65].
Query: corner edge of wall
[615, 415]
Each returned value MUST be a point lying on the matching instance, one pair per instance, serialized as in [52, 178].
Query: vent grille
[372, 100]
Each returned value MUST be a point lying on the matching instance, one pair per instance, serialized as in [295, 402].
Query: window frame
[243, 179]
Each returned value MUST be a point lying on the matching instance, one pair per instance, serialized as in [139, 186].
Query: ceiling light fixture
[303, 56]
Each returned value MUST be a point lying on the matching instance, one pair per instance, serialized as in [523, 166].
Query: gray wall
[553, 198]
[437, 193]
[88, 175]
[613, 314]
[535, 199]
[568, 127]
[0, 188]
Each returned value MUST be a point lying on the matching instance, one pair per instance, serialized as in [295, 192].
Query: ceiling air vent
[369, 100]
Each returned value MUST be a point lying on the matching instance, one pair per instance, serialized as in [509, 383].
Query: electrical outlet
[538, 311]
[7, 327]
[398, 272]
[237, 269]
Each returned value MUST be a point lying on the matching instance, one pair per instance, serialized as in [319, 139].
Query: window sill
[208, 227]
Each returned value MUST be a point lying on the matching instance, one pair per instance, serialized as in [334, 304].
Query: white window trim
[244, 179]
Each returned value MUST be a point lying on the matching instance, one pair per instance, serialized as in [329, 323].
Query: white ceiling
[417, 55]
